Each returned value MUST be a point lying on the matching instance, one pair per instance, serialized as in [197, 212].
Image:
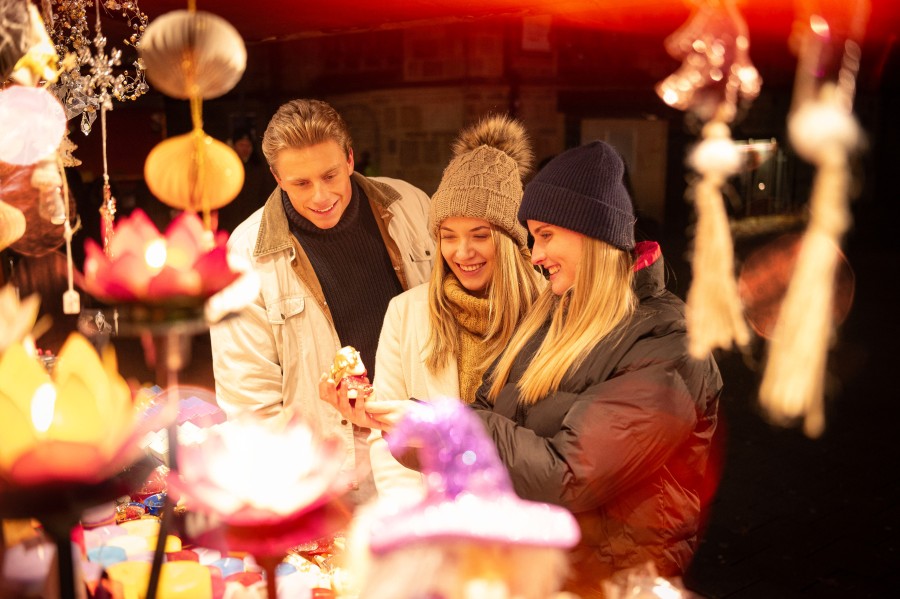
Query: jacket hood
[649, 279]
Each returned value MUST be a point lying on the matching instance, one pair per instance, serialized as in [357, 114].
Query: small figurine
[348, 368]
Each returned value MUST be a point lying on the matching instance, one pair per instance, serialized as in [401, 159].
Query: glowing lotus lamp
[32, 124]
[240, 473]
[178, 269]
[78, 426]
[271, 488]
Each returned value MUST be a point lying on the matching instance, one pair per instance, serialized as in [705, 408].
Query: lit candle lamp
[145, 267]
[78, 426]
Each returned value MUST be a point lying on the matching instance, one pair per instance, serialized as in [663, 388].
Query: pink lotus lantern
[181, 269]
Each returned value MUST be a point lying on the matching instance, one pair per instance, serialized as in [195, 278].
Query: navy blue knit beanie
[582, 190]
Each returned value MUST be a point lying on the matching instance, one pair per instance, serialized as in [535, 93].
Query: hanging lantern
[32, 123]
[174, 175]
[193, 54]
[40, 236]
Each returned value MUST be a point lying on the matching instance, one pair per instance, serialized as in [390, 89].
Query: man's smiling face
[317, 181]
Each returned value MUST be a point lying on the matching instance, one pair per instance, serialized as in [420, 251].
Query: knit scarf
[472, 319]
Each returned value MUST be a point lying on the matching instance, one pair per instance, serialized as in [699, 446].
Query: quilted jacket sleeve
[613, 434]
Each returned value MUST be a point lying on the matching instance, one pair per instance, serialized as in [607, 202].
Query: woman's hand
[387, 412]
[349, 400]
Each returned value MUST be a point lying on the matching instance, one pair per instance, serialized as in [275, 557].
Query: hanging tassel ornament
[823, 132]
[793, 383]
[108, 207]
[71, 299]
[714, 312]
[716, 74]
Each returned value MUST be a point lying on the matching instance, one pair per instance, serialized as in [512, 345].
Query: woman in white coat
[439, 338]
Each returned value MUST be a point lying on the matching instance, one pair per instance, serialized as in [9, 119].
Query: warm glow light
[78, 425]
[187, 265]
[242, 472]
[155, 254]
[665, 590]
[670, 96]
[43, 405]
[819, 25]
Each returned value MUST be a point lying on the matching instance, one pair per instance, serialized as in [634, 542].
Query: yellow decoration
[129, 579]
[80, 425]
[17, 318]
[177, 580]
[172, 166]
[184, 580]
[193, 54]
[12, 225]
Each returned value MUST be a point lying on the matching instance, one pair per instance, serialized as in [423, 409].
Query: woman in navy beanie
[595, 404]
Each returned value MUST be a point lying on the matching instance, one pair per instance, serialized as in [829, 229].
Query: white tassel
[714, 312]
[793, 383]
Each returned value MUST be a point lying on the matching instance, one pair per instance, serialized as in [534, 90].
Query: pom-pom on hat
[469, 494]
[484, 178]
[582, 189]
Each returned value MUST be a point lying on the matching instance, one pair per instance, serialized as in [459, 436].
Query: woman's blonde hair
[600, 299]
[513, 288]
[303, 123]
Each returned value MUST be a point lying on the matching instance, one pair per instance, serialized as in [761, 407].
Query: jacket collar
[275, 233]
[649, 269]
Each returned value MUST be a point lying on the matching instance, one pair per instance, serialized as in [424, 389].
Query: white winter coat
[268, 359]
[401, 374]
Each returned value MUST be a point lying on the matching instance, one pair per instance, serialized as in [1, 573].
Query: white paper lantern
[193, 55]
[32, 123]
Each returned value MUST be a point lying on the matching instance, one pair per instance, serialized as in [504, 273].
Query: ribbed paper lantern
[32, 123]
[172, 165]
[193, 55]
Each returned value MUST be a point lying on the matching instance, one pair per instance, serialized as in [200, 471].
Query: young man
[331, 247]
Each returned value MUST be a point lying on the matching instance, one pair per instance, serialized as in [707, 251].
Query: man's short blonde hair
[303, 123]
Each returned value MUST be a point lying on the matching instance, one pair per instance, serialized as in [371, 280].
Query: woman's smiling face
[467, 246]
[558, 252]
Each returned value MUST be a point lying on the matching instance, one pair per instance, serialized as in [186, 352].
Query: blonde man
[332, 248]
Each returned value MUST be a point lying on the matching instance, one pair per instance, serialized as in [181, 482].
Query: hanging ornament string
[71, 300]
[824, 132]
[108, 208]
[715, 76]
[199, 196]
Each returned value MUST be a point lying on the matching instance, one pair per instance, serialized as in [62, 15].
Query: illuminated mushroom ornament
[715, 76]
[193, 55]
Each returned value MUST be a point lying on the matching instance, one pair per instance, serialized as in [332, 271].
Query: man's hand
[349, 400]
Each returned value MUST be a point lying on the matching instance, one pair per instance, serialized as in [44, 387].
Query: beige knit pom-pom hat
[484, 179]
